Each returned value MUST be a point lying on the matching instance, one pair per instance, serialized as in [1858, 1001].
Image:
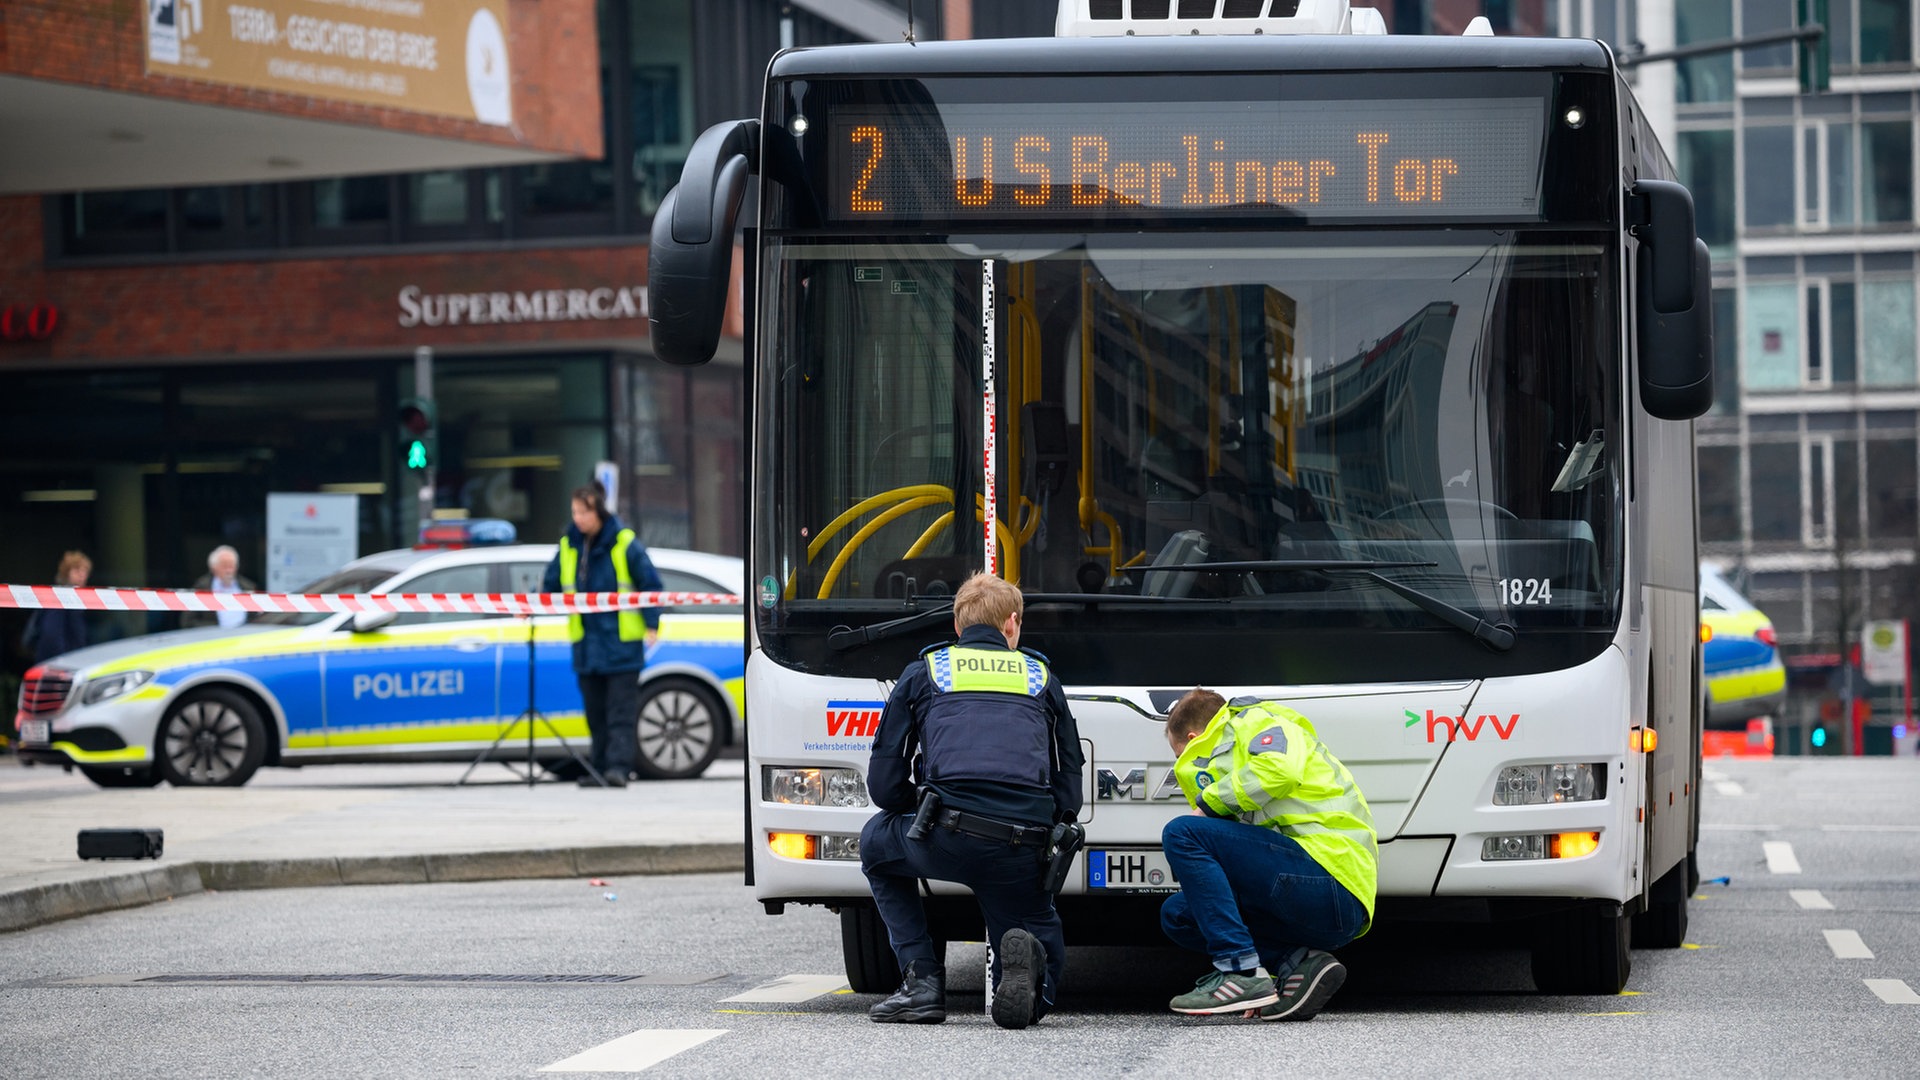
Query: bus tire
[210, 738]
[1582, 950]
[871, 968]
[1664, 924]
[681, 725]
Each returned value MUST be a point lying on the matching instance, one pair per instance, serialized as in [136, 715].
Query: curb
[24, 908]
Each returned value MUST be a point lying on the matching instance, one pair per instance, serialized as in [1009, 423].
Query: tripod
[531, 716]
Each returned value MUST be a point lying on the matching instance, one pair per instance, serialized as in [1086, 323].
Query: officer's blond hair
[1190, 714]
[985, 600]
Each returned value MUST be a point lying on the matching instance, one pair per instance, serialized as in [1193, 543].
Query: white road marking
[1712, 774]
[637, 1051]
[1810, 899]
[1870, 828]
[1893, 991]
[1780, 858]
[1846, 945]
[792, 988]
[1738, 828]
[1730, 788]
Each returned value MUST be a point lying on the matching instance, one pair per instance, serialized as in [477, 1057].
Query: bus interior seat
[1185, 548]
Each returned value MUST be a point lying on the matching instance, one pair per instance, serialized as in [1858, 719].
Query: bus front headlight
[1533, 785]
[813, 787]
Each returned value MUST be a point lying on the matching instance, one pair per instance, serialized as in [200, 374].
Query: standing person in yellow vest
[1277, 863]
[597, 554]
[975, 760]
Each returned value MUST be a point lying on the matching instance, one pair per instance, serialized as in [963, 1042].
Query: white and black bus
[1264, 352]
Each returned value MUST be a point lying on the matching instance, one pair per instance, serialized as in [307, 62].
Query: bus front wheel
[871, 968]
[1582, 950]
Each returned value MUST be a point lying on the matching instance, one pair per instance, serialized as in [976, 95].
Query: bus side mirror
[690, 259]
[1674, 294]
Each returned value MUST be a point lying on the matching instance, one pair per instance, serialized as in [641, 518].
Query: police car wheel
[211, 738]
[122, 776]
[680, 729]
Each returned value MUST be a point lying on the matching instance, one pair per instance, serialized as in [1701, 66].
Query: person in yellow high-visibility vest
[1277, 864]
[599, 553]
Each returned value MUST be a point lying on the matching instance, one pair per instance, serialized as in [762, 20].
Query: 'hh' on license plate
[1130, 871]
[36, 731]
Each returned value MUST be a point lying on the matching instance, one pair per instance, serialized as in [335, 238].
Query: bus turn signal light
[1643, 739]
[1572, 845]
[791, 845]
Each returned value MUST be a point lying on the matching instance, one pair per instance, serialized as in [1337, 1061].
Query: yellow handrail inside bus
[880, 520]
[907, 492]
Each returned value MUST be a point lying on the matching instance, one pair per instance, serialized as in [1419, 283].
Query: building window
[1765, 16]
[1886, 172]
[1772, 338]
[1720, 489]
[115, 222]
[1704, 78]
[1726, 354]
[1887, 332]
[1816, 487]
[1891, 512]
[1826, 172]
[660, 76]
[1706, 167]
[225, 218]
[1886, 31]
[1814, 348]
[1774, 482]
[1769, 179]
[343, 210]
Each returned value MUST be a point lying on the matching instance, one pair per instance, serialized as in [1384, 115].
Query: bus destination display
[1452, 158]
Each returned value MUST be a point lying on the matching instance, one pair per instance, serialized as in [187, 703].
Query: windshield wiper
[1497, 636]
[852, 637]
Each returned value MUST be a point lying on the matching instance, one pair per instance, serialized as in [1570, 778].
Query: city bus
[1264, 352]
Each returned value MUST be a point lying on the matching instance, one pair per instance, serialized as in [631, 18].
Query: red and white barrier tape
[91, 599]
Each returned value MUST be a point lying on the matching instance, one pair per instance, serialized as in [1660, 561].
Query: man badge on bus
[1277, 862]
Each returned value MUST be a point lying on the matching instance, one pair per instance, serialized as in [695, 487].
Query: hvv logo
[1459, 727]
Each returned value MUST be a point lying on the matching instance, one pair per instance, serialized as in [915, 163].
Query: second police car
[210, 706]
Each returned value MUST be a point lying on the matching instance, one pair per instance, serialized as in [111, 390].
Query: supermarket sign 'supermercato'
[445, 57]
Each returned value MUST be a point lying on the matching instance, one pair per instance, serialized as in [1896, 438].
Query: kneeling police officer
[984, 729]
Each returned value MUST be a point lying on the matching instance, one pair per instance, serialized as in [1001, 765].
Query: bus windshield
[1440, 407]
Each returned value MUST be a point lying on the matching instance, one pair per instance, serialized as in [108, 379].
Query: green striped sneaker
[1306, 989]
[1225, 992]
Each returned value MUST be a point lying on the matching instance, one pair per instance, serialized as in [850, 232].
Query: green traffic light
[1819, 737]
[417, 455]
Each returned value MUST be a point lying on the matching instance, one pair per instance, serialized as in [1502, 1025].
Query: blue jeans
[1250, 894]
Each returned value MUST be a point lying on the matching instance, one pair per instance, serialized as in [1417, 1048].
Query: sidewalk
[350, 825]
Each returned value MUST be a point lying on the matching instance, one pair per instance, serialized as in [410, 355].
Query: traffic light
[1819, 736]
[1816, 66]
[419, 433]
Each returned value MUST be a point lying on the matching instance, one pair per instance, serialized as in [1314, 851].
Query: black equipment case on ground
[120, 843]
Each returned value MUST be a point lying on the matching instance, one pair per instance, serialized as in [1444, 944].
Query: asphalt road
[1769, 986]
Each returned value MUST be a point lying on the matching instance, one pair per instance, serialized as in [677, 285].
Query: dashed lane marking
[1869, 828]
[1780, 858]
[1810, 899]
[788, 989]
[1846, 945]
[1614, 1014]
[1893, 991]
[1729, 788]
[634, 1052]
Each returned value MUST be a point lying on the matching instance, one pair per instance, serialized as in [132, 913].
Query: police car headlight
[112, 686]
[813, 787]
[1533, 785]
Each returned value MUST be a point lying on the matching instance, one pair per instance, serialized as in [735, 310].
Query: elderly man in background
[222, 576]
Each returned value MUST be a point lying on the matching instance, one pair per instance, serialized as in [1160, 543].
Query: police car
[1744, 673]
[210, 706]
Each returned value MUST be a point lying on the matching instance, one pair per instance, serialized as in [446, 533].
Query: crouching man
[1277, 863]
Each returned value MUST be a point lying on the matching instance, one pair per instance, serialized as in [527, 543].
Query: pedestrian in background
[222, 576]
[599, 553]
[53, 631]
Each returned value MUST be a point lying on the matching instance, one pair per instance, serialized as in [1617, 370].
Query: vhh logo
[849, 719]
[1459, 727]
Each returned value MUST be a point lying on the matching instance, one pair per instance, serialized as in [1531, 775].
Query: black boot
[921, 999]
[1023, 966]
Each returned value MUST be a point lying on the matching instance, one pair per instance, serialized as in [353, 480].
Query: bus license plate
[1130, 871]
[36, 731]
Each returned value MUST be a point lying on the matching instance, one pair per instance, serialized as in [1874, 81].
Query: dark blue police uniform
[1008, 756]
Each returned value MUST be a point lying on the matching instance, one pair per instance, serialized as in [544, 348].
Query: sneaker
[1305, 991]
[921, 999]
[1023, 963]
[1225, 992]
